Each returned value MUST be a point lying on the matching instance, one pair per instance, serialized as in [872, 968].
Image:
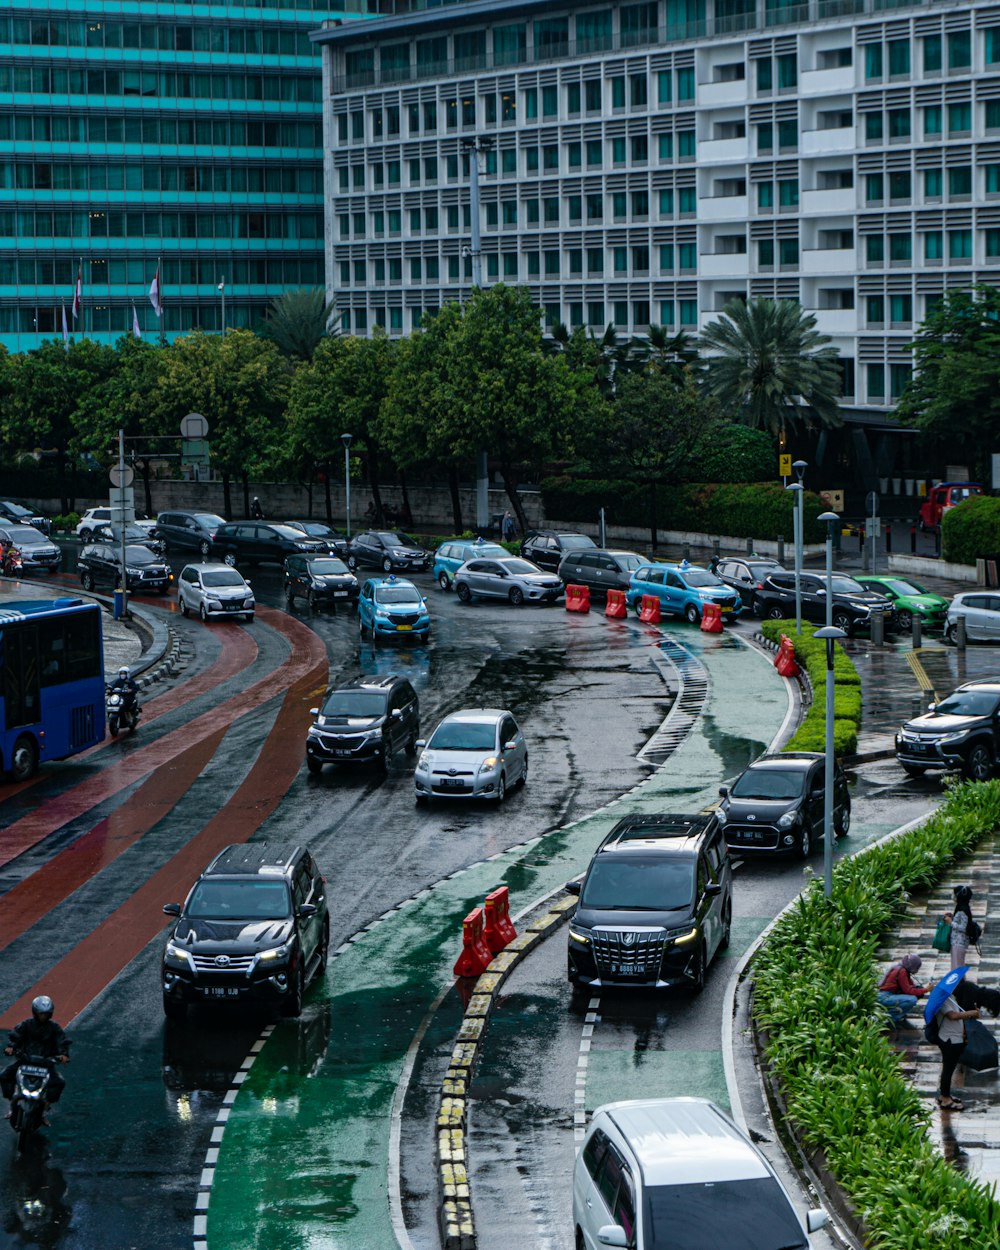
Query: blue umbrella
[944, 989]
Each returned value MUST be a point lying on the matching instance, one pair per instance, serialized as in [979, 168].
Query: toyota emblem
[628, 939]
[751, 816]
[222, 961]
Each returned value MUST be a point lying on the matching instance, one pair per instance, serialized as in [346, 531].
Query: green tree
[297, 321]
[768, 367]
[240, 384]
[954, 395]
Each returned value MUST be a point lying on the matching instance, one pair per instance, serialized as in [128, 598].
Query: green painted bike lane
[303, 1160]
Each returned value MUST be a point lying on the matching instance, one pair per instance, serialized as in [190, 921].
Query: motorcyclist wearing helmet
[126, 685]
[38, 1035]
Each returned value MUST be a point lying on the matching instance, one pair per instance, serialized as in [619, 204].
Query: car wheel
[691, 614]
[913, 770]
[501, 789]
[420, 799]
[979, 762]
[205, 547]
[289, 599]
[23, 760]
[698, 972]
[362, 632]
[352, 562]
[174, 1010]
[314, 766]
[85, 536]
[248, 619]
[230, 559]
[904, 621]
[523, 779]
[324, 951]
[727, 927]
[443, 581]
[775, 612]
[182, 605]
[292, 1006]
[805, 842]
[463, 592]
[203, 613]
[387, 565]
[383, 757]
[949, 635]
[311, 601]
[843, 620]
[516, 596]
[87, 581]
[842, 823]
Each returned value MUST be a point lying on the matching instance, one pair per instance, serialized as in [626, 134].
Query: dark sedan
[599, 569]
[336, 542]
[389, 550]
[777, 804]
[17, 514]
[745, 574]
[145, 573]
[320, 580]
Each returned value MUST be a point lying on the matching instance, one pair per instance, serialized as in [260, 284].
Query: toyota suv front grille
[628, 952]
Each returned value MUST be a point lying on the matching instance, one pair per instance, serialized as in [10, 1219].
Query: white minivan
[677, 1174]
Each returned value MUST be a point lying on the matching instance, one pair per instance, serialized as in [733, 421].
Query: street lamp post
[346, 440]
[831, 520]
[797, 542]
[473, 146]
[222, 296]
[831, 636]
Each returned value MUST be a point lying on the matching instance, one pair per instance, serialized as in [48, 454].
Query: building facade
[649, 162]
[182, 134]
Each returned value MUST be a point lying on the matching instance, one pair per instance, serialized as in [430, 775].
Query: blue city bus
[51, 681]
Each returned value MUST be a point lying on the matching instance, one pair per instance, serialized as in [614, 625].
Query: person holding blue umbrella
[945, 1021]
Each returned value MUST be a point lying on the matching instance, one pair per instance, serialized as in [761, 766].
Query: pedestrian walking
[898, 992]
[508, 527]
[256, 510]
[965, 931]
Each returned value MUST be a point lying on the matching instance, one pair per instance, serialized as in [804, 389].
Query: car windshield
[396, 538]
[573, 542]
[639, 883]
[464, 736]
[209, 520]
[700, 577]
[628, 563]
[519, 567]
[323, 568]
[769, 783]
[25, 536]
[846, 586]
[286, 531]
[354, 703]
[968, 703]
[740, 1215]
[222, 577]
[397, 594]
[900, 588]
[239, 900]
[480, 551]
[140, 555]
[15, 509]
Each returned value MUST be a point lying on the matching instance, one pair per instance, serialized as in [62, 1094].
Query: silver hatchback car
[214, 590]
[513, 579]
[476, 754]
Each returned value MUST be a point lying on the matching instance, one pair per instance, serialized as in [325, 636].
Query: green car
[909, 599]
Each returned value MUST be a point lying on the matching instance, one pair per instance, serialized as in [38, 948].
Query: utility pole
[473, 147]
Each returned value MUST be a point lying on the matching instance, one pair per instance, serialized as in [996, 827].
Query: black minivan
[363, 722]
[259, 541]
[191, 531]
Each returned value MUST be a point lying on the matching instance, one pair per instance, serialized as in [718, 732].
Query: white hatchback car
[476, 754]
[678, 1173]
[981, 611]
[214, 590]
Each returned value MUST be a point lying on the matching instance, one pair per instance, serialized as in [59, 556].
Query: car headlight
[371, 734]
[214, 603]
[176, 956]
[789, 819]
[382, 613]
[721, 816]
[682, 936]
[582, 936]
[275, 953]
[947, 738]
[489, 764]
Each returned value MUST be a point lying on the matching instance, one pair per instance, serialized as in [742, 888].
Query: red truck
[942, 497]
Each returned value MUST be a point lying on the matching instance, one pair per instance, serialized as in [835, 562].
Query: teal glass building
[184, 134]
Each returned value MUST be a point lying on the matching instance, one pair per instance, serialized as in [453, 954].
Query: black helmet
[42, 1007]
[962, 893]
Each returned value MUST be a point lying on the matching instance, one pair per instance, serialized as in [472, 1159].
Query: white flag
[154, 293]
[135, 322]
[65, 329]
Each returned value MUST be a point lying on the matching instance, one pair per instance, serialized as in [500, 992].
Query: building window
[640, 204]
[932, 54]
[765, 75]
[509, 161]
[593, 31]
[639, 90]
[595, 153]
[595, 261]
[510, 213]
[873, 61]
[685, 144]
[874, 193]
[550, 157]
[595, 208]
[531, 104]
[688, 312]
[932, 120]
[788, 193]
[993, 242]
[687, 200]
[959, 118]
[640, 314]
[788, 135]
[667, 203]
[552, 264]
[551, 37]
[619, 205]
[550, 209]
[531, 212]
[687, 257]
[618, 151]
[640, 260]
[875, 310]
[765, 137]
[593, 95]
[667, 257]
[900, 185]
[765, 253]
[788, 252]
[992, 179]
[873, 126]
[666, 147]
[595, 314]
[875, 249]
[960, 181]
[788, 71]
[899, 123]
[550, 101]
[664, 84]
[899, 379]
[992, 47]
[575, 206]
[618, 93]
[575, 315]
[685, 84]
[765, 195]
[667, 312]
[960, 244]
[531, 160]
[573, 98]
[933, 184]
[640, 150]
[899, 58]
[876, 382]
[959, 50]
[901, 309]
[900, 248]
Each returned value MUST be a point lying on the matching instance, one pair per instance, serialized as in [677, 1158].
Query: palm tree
[766, 364]
[297, 320]
[663, 352]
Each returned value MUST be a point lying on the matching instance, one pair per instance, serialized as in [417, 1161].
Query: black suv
[962, 731]
[746, 575]
[17, 514]
[365, 720]
[320, 580]
[255, 927]
[853, 604]
[777, 804]
[259, 541]
[336, 543]
[194, 531]
[100, 564]
[389, 550]
[598, 569]
[547, 547]
[656, 904]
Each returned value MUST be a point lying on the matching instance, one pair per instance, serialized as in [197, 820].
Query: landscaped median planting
[823, 1037]
[811, 654]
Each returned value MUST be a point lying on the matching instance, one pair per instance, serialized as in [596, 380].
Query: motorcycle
[123, 711]
[12, 565]
[27, 1106]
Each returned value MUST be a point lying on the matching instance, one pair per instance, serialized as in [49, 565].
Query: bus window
[83, 647]
[52, 652]
[20, 676]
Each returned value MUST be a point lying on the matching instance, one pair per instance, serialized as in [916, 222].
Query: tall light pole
[797, 488]
[831, 636]
[473, 146]
[831, 520]
[346, 440]
[222, 296]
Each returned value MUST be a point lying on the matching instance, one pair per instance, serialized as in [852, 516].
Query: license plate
[340, 594]
[727, 607]
[222, 991]
[233, 607]
[451, 783]
[625, 970]
[404, 626]
[342, 751]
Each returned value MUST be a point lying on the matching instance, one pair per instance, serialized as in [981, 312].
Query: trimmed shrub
[735, 454]
[811, 654]
[972, 529]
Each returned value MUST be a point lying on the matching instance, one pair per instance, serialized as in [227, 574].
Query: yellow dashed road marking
[920, 673]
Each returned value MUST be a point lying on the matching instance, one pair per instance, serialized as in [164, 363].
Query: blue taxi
[683, 590]
[391, 607]
[450, 557]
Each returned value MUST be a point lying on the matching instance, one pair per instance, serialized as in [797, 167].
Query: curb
[458, 1228]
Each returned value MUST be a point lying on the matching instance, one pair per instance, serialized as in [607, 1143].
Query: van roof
[684, 1141]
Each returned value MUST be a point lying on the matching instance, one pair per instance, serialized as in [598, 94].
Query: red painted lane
[95, 962]
[55, 881]
[25, 833]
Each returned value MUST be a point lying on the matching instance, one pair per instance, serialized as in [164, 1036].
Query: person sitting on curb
[898, 993]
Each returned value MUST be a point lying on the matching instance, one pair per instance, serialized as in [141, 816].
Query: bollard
[499, 930]
[877, 622]
[716, 548]
[749, 546]
[649, 609]
[781, 549]
[577, 598]
[784, 661]
[865, 557]
[615, 606]
[913, 540]
[687, 552]
[475, 956]
[711, 619]
[960, 633]
[888, 539]
[917, 632]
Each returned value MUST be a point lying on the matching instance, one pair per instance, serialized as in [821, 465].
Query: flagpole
[159, 295]
[83, 324]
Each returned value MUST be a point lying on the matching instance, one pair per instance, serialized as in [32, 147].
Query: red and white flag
[65, 328]
[78, 293]
[154, 293]
[135, 322]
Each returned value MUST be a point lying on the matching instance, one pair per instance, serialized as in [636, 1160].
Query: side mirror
[314, 711]
[821, 590]
[171, 909]
[723, 791]
[816, 1219]
[932, 707]
[397, 713]
[574, 887]
[420, 744]
[713, 888]
[509, 746]
[305, 911]
[612, 1235]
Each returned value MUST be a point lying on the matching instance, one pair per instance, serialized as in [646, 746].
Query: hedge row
[815, 1003]
[971, 530]
[760, 510]
[811, 654]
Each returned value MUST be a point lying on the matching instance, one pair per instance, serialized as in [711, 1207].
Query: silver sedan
[513, 579]
[473, 754]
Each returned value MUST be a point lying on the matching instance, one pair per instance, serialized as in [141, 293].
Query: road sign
[122, 501]
[194, 451]
[785, 465]
[194, 425]
[871, 503]
[122, 475]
